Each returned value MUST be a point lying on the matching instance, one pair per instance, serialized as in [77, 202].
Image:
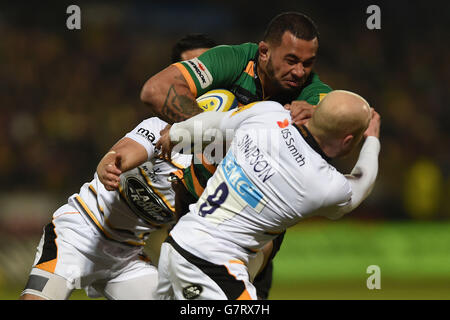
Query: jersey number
[215, 200]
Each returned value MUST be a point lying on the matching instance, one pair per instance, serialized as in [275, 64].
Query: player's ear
[263, 48]
[347, 142]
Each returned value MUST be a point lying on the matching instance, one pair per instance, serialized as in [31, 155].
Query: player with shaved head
[259, 189]
[340, 121]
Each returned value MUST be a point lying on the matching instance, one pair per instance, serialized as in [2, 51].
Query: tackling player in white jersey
[96, 240]
[274, 175]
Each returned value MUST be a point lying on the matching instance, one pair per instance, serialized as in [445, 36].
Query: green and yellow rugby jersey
[233, 67]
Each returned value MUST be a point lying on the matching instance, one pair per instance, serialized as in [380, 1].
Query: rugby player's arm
[195, 127]
[192, 130]
[361, 179]
[185, 134]
[172, 92]
[363, 175]
[125, 155]
[169, 96]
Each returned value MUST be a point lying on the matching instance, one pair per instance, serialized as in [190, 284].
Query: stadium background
[67, 96]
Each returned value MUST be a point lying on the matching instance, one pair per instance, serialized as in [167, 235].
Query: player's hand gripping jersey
[146, 198]
[273, 176]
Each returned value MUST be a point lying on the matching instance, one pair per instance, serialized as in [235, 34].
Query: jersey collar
[311, 141]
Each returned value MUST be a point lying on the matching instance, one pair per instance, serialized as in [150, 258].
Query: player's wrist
[174, 133]
[372, 143]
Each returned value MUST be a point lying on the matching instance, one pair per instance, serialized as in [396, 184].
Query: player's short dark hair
[191, 42]
[300, 25]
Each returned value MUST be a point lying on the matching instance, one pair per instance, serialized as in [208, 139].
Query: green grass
[344, 250]
[329, 260]
[391, 289]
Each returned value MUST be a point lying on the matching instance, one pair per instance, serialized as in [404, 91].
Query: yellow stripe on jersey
[321, 96]
[179, 174]
[48, 266]
[187, 77]
[177, 165]
[108, 223]
[171, 162]
[246, 107]
[250, 69]
[99, 226]
[122, 193]
[91, 187]
[245, 296]
[160, 195]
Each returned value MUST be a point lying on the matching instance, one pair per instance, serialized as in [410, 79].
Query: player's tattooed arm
[178, 107]
[168, 95]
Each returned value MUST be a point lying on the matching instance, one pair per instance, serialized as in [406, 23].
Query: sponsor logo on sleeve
[202, 73]
[147, 135]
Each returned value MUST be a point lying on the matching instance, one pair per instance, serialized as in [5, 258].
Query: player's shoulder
[150, 128]
[261, 113]
[249, 49]
[244, 50]
[267, 113]
[314, 90]
[154, 123]
[259, 108]
[314, 80]
[247, 46]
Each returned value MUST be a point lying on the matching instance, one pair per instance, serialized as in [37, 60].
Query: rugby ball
[217, 100]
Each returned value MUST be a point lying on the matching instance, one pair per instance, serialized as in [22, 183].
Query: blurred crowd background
[66, 96]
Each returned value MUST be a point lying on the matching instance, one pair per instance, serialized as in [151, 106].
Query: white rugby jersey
[146, 199]
[273, 175]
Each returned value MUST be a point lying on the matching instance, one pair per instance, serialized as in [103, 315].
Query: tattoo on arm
[178, 107]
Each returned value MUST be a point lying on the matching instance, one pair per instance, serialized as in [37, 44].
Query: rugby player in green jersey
[279, 68]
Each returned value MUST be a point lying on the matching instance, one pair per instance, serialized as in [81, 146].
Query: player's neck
[328, 149]
[266, 86]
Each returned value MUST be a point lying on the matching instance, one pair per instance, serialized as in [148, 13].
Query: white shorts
[182, 275]
[73, 254]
